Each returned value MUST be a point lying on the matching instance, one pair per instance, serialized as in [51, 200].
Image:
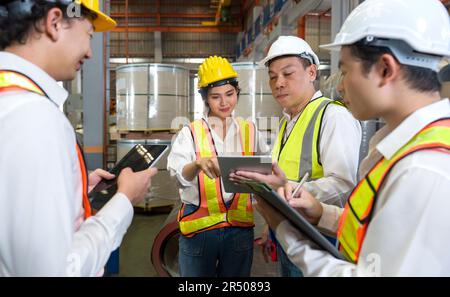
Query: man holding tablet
[317, 136]
[46, 224]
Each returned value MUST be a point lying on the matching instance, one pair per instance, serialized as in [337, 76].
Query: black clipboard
[296, 219]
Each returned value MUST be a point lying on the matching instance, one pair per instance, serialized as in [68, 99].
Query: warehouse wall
[174, 44]
[199, 45]
[318, 31]
[140, 44]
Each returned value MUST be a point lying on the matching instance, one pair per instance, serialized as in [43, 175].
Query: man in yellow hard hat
[46, 224]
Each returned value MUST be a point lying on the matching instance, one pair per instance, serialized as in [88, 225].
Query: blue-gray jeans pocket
[192, 246]
[242, 239]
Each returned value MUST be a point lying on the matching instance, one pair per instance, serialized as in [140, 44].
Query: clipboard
[296, 219]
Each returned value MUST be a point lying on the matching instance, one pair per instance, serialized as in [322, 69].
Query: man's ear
[53, 23]
[312, 71]
[388, 69]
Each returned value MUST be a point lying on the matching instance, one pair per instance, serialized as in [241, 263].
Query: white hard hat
[423, 25]
[290, 45]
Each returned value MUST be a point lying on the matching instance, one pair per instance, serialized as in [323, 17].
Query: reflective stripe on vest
[300, 153]
[212, 212]
[358, 211]
[15, 81]
[241, 211]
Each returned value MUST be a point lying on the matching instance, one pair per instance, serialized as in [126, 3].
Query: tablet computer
[296, 219]
[140, 157]
[231, 164]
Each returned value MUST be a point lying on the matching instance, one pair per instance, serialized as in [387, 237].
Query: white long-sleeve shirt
[41, 188]
[339, 144]
[183, 153]
[409, 232]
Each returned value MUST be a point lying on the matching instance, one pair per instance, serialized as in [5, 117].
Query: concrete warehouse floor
[135, 251]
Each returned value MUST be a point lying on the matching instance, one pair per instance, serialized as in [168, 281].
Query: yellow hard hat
[102, 22]
[215, 70]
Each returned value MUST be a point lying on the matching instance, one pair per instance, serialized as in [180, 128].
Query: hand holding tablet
[275, 178]
[139, 158]
[231, 164]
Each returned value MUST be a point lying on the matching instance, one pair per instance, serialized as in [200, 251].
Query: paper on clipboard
[297, 220]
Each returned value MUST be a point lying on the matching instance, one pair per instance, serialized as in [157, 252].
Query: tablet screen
[230, 164]
[140, 157]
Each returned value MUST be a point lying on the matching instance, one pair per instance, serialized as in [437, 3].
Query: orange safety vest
[359, 209]
[15, 81]
[212, 212]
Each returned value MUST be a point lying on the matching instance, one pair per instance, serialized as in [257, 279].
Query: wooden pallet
[155, 206]
[143, 134]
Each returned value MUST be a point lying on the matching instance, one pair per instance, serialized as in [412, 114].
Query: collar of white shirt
[233, 123]
[287, 116]
[9, 61]
[411, 126]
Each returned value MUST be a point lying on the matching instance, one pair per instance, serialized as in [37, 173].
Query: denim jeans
[286, 267]
[223, 252]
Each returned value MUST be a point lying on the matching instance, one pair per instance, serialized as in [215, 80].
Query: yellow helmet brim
[103, 22]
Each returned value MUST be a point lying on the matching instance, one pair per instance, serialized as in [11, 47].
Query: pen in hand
[300, 184]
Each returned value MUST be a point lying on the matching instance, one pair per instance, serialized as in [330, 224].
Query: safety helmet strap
[404, 53]
[219, 83]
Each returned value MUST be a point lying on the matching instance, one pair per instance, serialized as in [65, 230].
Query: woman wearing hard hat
[396, 221]
[216, 227]
[47, 227]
